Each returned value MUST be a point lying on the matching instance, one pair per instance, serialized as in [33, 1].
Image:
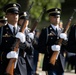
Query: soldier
[71, 44]
[3, 20]
[9, 35]
[47, 44]
[61, 24]
[71, 39]
[36, 53]
[29, 37]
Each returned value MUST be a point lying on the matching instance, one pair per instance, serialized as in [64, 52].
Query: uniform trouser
[30, 72]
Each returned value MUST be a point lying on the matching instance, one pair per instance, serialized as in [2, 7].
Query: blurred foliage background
[67, 7]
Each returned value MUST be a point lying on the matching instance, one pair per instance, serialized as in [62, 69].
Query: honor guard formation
[20, 45]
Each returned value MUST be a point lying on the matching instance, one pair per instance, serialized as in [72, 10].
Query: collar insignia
[50, 28]
[14, 5]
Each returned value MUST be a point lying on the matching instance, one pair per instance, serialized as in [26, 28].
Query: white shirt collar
[11, 26]
[55, 27]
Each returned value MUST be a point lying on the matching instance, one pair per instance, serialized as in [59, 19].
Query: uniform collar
[11, 26]
[55, 27]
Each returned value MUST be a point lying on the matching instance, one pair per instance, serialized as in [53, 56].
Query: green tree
[40, 4]
[24, 4]
[4, 2]
[37, 8]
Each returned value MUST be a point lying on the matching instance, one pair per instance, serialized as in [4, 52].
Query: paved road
[40, 72]
[69, 73]
[66, 73]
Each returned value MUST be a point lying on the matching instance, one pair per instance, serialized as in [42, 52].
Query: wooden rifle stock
[34, 26]
[59, 42]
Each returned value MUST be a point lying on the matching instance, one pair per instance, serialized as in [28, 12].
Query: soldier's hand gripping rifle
[59, 42]
[11, 64]
[37, 21]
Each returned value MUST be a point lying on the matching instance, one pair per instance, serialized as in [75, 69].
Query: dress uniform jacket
[25, 59]
[48, 37]
[5, 47]
[71, 45]
[30, 52]
[8, 40]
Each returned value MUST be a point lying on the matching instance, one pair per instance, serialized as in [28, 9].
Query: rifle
[37, 21]
[11, 64]
[59, 42]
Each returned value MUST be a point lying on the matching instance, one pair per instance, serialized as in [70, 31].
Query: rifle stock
[59, 42]
[34, 26]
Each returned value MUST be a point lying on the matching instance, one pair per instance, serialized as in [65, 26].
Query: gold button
[57, 37]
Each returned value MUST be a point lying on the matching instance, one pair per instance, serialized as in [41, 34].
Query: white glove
[55, 47]
[63, 36]
[31, 35]
[21, 36]
[12, 54]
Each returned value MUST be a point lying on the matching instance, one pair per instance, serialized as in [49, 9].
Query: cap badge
[14, 5]
[56, 9]
[25, 14]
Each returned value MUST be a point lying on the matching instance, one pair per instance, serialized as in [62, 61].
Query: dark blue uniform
[29, 57]
[6, 46]
[8, 40]
[48, 37]
[72, 39]
[71, 44]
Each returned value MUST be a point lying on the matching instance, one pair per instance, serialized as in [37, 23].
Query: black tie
[14, 31]
[56, 31]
